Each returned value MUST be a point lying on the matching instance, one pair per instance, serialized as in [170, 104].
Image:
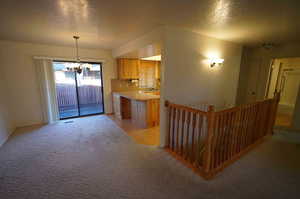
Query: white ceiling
[111, 23]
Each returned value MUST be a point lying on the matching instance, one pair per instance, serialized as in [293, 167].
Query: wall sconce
[215, 61]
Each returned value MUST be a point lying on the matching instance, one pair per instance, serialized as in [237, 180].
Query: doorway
[285, 77]
[79, 92]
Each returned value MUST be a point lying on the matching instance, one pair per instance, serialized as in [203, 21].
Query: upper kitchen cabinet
[147, 74]
[128, 68]
[157, 70]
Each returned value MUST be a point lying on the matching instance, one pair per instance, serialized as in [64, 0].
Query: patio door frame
[77, 94]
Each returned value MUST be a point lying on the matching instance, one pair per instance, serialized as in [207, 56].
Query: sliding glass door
[79, 92]
[90, 90]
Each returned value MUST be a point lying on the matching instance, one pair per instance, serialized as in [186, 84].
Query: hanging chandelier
[77, 67]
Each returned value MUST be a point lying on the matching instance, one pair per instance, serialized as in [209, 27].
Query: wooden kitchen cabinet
[145, 114]
[138, 113]
[157, 70]
[121, 106]
[147, 74]
[128, 68]
[142, 109]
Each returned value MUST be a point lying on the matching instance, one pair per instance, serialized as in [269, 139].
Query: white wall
[144, 46]
[188, 78]
[6, 125]
[17, 60]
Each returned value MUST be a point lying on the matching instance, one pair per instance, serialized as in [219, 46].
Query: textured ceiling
[111, 23]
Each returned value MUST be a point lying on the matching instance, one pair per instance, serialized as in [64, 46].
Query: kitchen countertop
[138, 95]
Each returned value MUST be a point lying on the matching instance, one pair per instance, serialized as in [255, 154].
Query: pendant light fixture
[77, 68]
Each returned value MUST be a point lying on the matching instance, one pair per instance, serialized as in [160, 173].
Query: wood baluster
[169, 109]
[269, 116]
[255, 123]
[242, 129]
[209, 147]
[248, 132]
[252, 123]
[213, 142]
[262, 120]
[268, 107]
[173, 128]
[245, 128]
[177, 137]
[231, 134]
[227, 136]
[265, 119]
[261, 112]
[187, 135]
[238, 132]
[218, 132]
[199, 144]
[223, 138]
[258, 120]
[235, 130]
[182, 133]
[194, 117]
[218, 139]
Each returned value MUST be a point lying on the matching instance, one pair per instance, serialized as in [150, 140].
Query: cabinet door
[120, 66]
[134, 68]
[128, 68]
[147, 74]
[157, 71]
[153, 112]
[138, 113]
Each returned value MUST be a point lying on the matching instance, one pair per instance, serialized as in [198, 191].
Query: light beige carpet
[92, 158]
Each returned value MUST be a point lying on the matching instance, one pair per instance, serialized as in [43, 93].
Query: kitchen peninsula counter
[142, 108]
[138, 95]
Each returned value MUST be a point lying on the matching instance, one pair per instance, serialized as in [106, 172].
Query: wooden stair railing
[209, 141]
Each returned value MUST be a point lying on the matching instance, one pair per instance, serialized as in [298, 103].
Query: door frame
[77, 95]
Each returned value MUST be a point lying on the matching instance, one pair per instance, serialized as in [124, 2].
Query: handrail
[208, 141]
[187, 108]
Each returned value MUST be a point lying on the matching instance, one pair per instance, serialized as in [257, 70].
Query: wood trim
[189, 109]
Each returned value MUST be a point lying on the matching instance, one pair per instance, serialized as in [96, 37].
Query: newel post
[208, 142]
[168, 116]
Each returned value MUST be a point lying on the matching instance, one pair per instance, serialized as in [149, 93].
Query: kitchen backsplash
[127, 85]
